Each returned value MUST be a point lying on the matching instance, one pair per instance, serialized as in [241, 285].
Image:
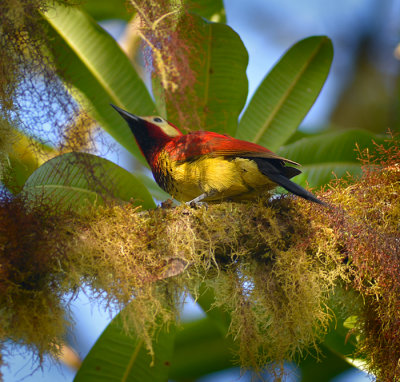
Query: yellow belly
[237, 178]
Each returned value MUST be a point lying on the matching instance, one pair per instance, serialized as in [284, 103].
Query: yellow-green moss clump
[263, 260]
[271, 270]
[33, 282]
[366, 221]
[272, 265]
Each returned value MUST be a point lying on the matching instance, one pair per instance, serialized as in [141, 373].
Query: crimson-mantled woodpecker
[203, 165]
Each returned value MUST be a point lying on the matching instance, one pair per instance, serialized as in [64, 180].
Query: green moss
[257, 257]
[273, 266]
[33, 283]
[366, 224]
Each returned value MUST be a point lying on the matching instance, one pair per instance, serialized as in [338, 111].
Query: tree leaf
[217, 94]
[220, 318]
[212, 10]
[72, 180]
[91, 61]
[335, 350]
[208, 348]
[287, 93]
[25, 154]
[153, 187]
[107, 10]
[324, 155]
[329, 365]
[120, 357]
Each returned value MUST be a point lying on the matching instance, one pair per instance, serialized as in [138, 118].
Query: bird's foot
[193, 204]
[197, 202]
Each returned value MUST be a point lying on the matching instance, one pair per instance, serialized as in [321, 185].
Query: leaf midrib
[132, 361]
[60, 186]
[286, 95]
[207, 66]
[75, 47]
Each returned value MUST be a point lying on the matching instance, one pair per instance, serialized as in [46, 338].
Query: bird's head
[151, 133]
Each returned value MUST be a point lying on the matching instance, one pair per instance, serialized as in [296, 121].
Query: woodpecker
[203, 166]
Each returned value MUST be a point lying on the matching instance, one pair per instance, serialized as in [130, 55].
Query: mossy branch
[272, 264]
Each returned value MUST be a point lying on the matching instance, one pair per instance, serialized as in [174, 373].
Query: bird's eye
[157, 119]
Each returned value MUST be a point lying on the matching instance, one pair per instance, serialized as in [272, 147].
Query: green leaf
[106, 9]
[212, 10]
[325, 155]
[206, 340]
[153, 187]
[287, 93]
[329, 365]
[218, 61]
[220, 318]
[120, 357]
[200, 348]
[91, 61]
[339, 339]
[351, 322]
[338, 344]
[24, 155]
[72, 180]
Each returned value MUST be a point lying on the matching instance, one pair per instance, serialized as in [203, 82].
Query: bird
[204, 166]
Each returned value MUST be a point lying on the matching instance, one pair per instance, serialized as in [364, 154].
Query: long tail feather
[295, 188]
[278, 173]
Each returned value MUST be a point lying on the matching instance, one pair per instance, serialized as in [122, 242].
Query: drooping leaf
[212, 10]
[153, 187]
[24, 155]
[217, 90]
[209, 350]
[333, 359]
[107, 10]
[329, 365]
[72, 180]
[300, 134]
[91, 61]
[326, 155]
[287, 93]
[220, 318]
[350, 322]
[121, 357]
[339, 339]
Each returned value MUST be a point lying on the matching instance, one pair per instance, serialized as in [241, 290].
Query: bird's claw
[194, 204]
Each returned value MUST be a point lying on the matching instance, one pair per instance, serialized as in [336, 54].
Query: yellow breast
[234, 178]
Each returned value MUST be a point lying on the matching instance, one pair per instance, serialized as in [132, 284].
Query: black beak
[126, 115]
[140, 129]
